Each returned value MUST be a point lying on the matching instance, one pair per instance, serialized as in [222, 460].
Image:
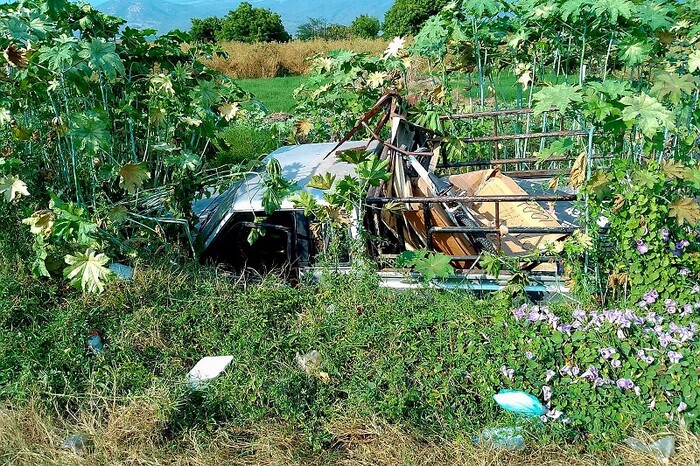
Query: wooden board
[512, 214]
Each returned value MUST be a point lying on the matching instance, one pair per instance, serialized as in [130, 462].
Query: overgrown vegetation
[106, 142]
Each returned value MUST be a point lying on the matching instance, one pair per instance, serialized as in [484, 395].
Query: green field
[275, 93]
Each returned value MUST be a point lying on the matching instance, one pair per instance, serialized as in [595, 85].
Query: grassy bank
[404, 377]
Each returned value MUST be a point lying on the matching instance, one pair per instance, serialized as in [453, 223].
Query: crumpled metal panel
[299, 164]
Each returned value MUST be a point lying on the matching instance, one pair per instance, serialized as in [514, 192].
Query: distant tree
[337, 32]
[205, 30]
[365, 26]
[405, 17]
[314, 28]
[248, 24]
[317, 28]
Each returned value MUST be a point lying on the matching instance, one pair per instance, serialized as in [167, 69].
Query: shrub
[405, 17]
[248, 24]
[365, 26]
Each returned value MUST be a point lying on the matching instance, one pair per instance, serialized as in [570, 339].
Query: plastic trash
[309, 361]
[502, 438]
[661, 449]
[123, 272]
[520, 402]
[207, 369]
[94, 341]
[77, 443]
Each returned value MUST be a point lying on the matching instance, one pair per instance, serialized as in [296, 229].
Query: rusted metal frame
[480, 163]
[535, 173]
[428, 227]
[466, 116]
[404, 152]
[384, 100]
[541, 259]
[495, 134]
[525, 258]
[498, 224]
[511, 137]
[444, 199]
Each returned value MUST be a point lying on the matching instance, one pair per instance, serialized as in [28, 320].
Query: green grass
[425, 360]
[275, 93]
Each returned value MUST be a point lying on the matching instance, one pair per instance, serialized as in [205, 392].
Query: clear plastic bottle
[504, 438]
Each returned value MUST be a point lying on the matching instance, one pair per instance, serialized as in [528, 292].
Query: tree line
[251, 24]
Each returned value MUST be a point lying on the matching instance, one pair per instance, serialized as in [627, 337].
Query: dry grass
[269, 60]
[133, 435]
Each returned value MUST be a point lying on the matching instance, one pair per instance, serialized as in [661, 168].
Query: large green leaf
[694, 61]
[91, 131]
[434, 265]
[673, 86]
[87, 271]
[132, 177]
[373, 170]
[614, 9]
[559, 96]
[482, 8]
[655, 15]
[102, 56]
[60, 54]
[635, 53]
[647, 112]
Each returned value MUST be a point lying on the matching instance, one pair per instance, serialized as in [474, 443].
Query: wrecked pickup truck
[496, 203]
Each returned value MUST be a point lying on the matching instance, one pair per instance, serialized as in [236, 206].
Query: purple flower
[519, 313]
[546, 393]
[570, 371]
[534, 316]
[529, 354]
[615, 363]
[670, 306]
[599, 382]
[695, 290]
[684, 272]
[507, 372]
[642, 247]
[665, 339]
[652, 318]
[579, 314]
[626, 384]
[644, 357]
[607, 353]
[674, 356]
[687, 310]
[684, 243]
[632, 318]
[665, 234]
[565, 328]
[651, 296]
[681, 407]
[591, 374]
[548, 375]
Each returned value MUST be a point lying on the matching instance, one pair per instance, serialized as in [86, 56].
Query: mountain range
[176, 14]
